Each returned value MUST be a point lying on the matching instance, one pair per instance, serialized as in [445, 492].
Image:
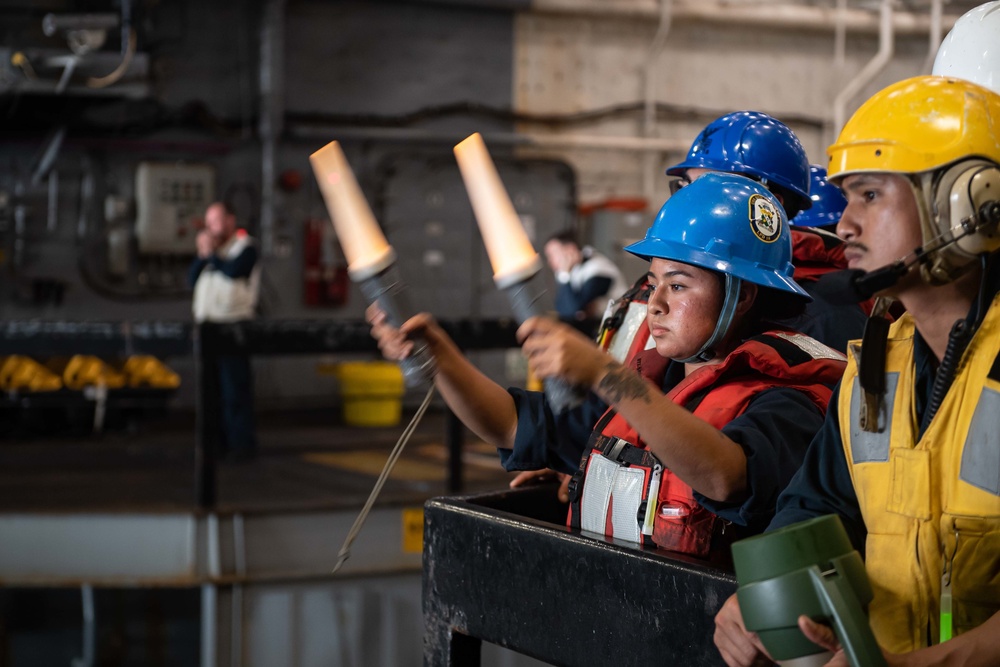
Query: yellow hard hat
[943, 134]
[920, 124]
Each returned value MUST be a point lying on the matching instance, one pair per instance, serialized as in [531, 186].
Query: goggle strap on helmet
[732, 298]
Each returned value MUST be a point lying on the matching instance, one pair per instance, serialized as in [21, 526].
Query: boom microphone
[854, 285]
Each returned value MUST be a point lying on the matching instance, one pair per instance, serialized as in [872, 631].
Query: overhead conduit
[650, 72]
[774, 16]
[869, 71]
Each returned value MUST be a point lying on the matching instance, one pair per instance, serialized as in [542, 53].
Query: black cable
[137, 117]
[962, 332]
[673, 111]
[958, 339]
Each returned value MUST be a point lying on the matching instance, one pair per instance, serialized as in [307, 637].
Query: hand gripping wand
[371, 263]
[516, 265]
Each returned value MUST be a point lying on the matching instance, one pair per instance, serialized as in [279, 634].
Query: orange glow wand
[371, 261]
[516, 265]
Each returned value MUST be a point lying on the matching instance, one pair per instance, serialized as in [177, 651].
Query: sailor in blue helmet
[754, 145]
[828, 202]
[760, 147]
[692, 442]
[763, 148]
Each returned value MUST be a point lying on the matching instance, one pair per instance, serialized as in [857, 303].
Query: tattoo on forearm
[622, 383]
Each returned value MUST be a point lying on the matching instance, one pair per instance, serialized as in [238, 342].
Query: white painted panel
[70, 548]
[566, 63]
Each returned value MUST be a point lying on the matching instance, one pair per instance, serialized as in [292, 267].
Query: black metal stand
[500, 568]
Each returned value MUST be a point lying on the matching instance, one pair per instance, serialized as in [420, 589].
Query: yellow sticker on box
[413, 530]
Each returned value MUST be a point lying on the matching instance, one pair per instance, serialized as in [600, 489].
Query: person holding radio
[908, 456]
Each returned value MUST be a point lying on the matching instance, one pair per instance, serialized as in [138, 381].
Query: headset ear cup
[975, 195]
[960, 196]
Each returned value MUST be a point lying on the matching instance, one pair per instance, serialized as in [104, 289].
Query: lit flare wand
[371, 261]
[516, 265]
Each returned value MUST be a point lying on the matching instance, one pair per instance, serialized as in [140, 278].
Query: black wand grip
[562, 396]
[526, 302]
[389, 292]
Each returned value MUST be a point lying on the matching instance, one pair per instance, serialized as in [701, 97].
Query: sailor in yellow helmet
[909, 455]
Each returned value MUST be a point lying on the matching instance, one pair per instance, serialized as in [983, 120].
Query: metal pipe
[210, 594]
[68, 69]
[89, 627]
[20, 226]
[53, 202]
[126, 25]
[522, 139]
[47, 158]
[869, 71]
[209, 604]
[272, 63]
[204, 492]
[214, 554]
[53, 23]
[840, 37]
[87, 187]
[934, 36]
[649, 96]
[773, 16]
[240, 567]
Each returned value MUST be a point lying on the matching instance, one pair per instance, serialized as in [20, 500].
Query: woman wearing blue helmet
[755, 145]
[703, 429]
[763, 148]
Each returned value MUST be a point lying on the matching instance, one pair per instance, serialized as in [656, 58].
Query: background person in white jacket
[226, 282]
[587, 280]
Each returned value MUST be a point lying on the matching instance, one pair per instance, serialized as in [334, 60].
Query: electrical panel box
[170, 199]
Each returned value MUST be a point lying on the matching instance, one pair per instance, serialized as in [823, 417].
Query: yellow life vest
[931, 506]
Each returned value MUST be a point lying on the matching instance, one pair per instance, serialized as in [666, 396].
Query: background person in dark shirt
[587, 281]
[226, 282]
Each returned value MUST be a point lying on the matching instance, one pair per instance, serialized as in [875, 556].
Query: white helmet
[971, 51]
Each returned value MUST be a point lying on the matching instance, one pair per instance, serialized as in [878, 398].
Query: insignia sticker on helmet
[764, 219]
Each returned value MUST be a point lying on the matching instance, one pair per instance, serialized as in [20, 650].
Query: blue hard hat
[755, 145]
[726, 223]
[828, 202]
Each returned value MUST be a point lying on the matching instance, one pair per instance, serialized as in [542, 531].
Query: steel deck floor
[307, 460]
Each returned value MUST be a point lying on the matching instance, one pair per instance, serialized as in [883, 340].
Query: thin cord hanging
[345, 550]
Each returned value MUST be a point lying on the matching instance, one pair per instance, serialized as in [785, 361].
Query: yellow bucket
[372, 392]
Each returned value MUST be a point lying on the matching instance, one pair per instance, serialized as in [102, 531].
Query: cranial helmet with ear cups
[944, 134]
[972, 190]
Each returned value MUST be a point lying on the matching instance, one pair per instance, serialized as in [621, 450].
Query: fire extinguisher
[336, 281]
[324, 269]
[312, 255]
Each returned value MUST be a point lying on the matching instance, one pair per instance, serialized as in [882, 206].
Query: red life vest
[717, 394]
[815, 252]
[624, 332]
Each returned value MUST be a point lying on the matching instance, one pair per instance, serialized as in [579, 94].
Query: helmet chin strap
[732, 298]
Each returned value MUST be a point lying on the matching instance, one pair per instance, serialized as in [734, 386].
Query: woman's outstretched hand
[395, 343]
